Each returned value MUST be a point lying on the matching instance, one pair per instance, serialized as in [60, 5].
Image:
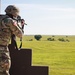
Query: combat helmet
[11, 9]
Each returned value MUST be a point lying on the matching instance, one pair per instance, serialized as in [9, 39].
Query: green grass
[59, 56]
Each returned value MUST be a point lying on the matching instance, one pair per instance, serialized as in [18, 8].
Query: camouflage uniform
[8, 26]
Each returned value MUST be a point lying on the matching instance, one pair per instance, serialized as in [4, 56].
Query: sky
[45, 17]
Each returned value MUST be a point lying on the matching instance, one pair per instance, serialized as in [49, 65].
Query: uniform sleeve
[12, 24]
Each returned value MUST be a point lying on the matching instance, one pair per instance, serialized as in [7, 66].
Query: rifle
[13, 37]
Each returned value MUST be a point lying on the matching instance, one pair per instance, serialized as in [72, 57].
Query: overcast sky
[46, 17]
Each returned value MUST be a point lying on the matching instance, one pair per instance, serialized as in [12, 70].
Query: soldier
[8, 26]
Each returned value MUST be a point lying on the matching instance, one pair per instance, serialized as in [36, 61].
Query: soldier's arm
[12, 24]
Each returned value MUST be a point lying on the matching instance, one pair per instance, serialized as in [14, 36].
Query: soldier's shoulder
[8, 20]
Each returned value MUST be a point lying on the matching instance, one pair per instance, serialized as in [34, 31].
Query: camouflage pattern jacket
[8, 26]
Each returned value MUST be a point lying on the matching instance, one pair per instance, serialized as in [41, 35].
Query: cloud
[45, 7]
[47, 12]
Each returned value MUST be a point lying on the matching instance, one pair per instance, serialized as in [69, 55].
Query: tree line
[39, 37]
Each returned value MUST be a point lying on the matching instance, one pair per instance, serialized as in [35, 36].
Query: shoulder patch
[6, 20]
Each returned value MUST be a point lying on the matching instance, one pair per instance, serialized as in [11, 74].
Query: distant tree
[31, 40]
[37, 37]
[53, 36]
[61, 39]
[66, 36]
[50, 39]
[67, 40]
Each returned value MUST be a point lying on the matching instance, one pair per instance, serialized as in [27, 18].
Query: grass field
[59, 56]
